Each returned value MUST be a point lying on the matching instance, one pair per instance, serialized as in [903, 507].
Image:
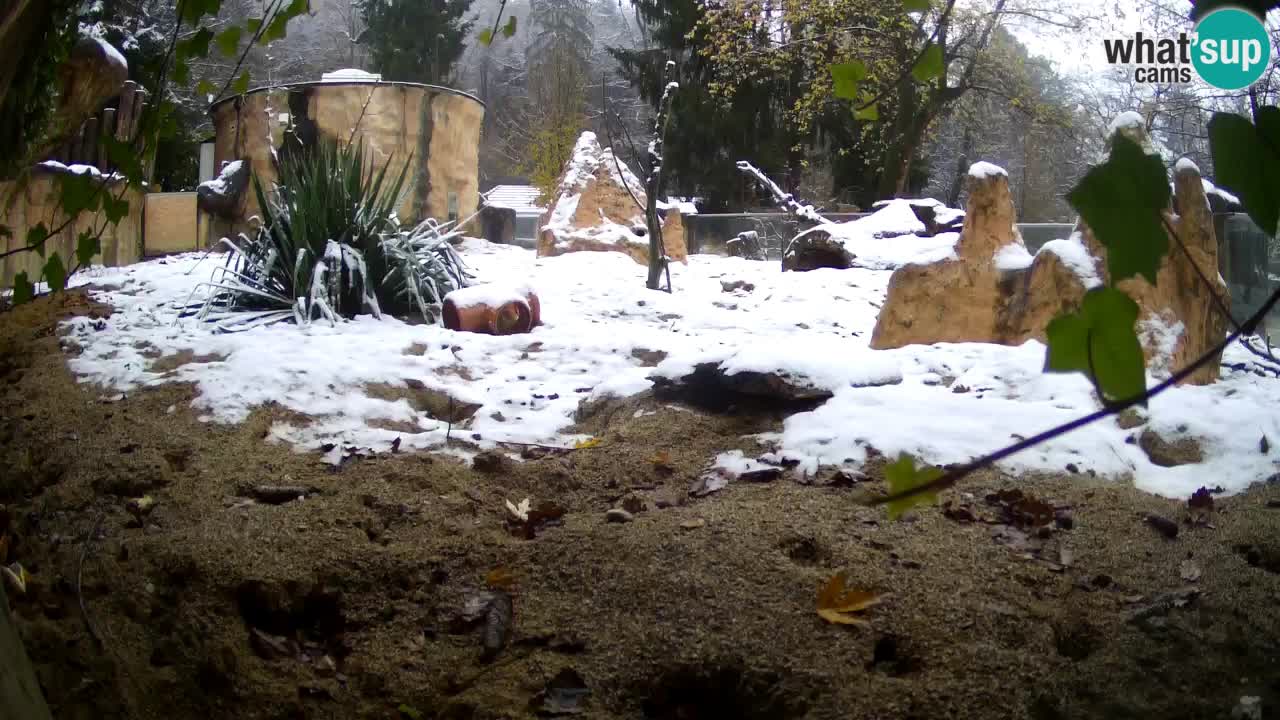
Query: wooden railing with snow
[122, 122]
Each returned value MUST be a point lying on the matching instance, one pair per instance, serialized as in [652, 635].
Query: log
[20, 695]
[108, 130]
[89, 150]
[125, 116]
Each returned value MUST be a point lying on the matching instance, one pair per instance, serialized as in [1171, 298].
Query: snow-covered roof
[521, 198]
[350, 75]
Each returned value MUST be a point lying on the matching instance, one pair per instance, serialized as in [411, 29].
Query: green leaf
[253, 25]
[197, 45]
[510, 28]
[486, 37]
[930, 65]
[36, 237]
[23, 289]
[79, 193]
[229, 40]
[5, 231]
[204, 87]
[181, 71]
[296, 8]
[114, 208]
[870, 113]
[193, 10]
[1246, 161]
[1122, 200]
[123, 158]
[410, 711]
[845, 78]
[278, 29]
[87, 246]
[1101, 342]
[915, 5]
[903, 475]
[241, 85]
[55, 273]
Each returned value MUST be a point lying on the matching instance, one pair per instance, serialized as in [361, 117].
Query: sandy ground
[373, 597]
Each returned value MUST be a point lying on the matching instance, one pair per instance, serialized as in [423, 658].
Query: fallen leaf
[662, 457]
[836, 602]
[141, 507]
[587, 444]
[410, 711]
[17, 577]
[519, 512]
[500, 578]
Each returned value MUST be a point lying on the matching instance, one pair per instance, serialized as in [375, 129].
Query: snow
[77, 169]
[1073, 254]
[1013, 257]
[889, 238]
[983, 170]
[596, 312]
[491, 294]
[1186, 165]
[220, 184]
[1211, 189]
[583, 166]
[1129, 120]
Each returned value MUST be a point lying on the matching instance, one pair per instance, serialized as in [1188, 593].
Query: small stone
[1190, 571]
[1167, 527]
[1249, 708]
[618, 515]
[693, 524]
[1130, 419]
[1064, 520]
[1184, 451]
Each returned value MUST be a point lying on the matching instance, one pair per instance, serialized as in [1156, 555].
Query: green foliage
[1247, 161]
[87, 245]
[403, 42]
[27, 106]
[1101, 342]
[1122, 200]
[79, 193]
[228, 40]
[870, 113]
[915, 5]
[115, 208]
[36, 238]
[55, 273]
[903, 475]
[509, 30]
[846, 77]
[486, 37]
[194, 10]
[23, 289]
[329, 247]
[931, 64]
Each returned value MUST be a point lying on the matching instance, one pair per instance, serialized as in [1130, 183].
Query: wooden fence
[121, 122]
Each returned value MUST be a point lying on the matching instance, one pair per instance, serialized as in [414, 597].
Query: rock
[747, 246]
[599, 209]
[221, 197]
[1164, 525]
[764, 475]
[937, 218]
[1184, 451]
[990, 296]
[490, 461]
[965, 299]
[710, 386]
[693, 524]
[498, 224]
[1249, 708]
[618, 515]
[816, 249]
[92, 74]
[1130, 419]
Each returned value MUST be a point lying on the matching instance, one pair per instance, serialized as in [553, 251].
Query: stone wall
[435, 130]
[23, 206]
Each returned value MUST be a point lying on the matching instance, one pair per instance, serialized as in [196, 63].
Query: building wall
[23, 207]
[172, 224]
[435, 131]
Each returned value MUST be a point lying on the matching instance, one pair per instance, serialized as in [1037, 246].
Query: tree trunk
[19, 691]
[962, 168]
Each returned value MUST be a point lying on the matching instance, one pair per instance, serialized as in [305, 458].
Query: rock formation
[840, 245]
[594, 211]
[992, 290]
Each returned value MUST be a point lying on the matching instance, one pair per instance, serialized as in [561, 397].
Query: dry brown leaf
[836, 602]
[662, 457]
[500, 578]
[17, 576]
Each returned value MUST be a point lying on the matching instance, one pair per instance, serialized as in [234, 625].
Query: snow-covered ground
[949, 403]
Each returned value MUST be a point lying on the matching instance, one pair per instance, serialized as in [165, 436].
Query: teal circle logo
[1231, 49]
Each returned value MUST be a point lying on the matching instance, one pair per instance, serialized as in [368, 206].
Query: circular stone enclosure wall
[435, 129]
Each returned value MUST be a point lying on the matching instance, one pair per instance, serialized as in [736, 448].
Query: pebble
[618, 515]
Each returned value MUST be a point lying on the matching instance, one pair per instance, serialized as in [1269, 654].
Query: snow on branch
[784, 200]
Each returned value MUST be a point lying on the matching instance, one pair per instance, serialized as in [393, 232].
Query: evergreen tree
[416, 40]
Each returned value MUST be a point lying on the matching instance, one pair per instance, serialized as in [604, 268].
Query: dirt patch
[345, 604]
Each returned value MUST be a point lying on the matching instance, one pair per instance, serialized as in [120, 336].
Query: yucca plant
[330, 246]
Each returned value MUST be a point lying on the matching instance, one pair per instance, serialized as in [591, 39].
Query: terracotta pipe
[480, 310]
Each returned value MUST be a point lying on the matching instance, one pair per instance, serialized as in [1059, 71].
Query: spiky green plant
[330, 246]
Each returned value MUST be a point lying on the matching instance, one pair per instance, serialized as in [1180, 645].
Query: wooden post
[89, 151]
[108, 130]
[19, 690]
[125, 118]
